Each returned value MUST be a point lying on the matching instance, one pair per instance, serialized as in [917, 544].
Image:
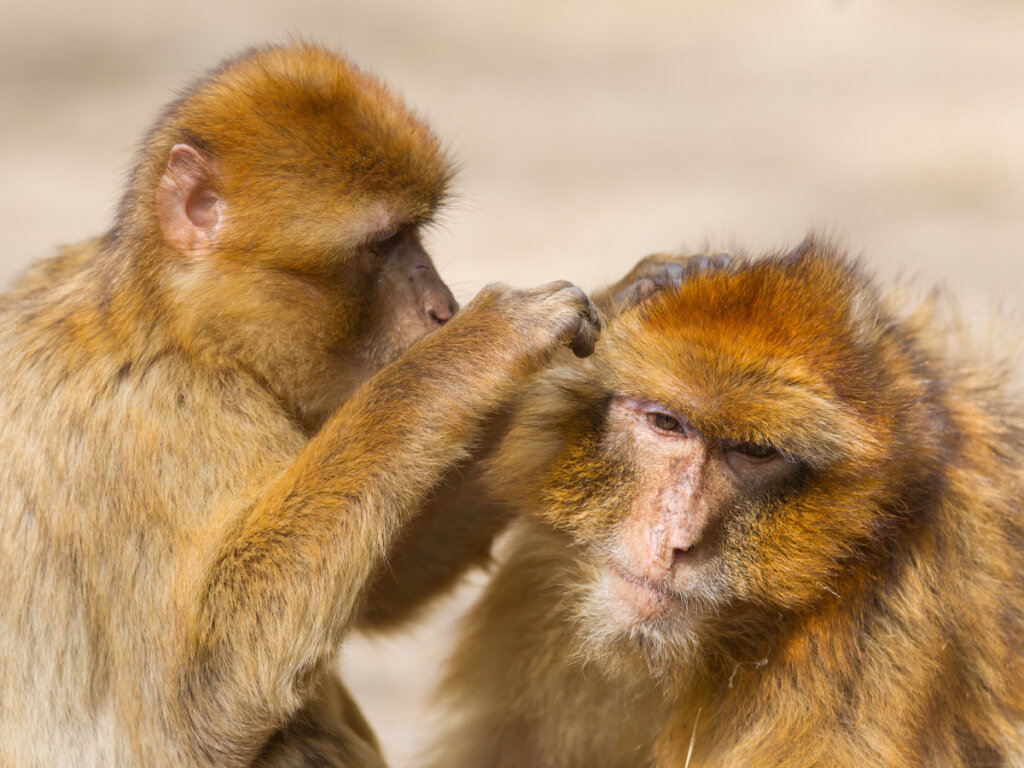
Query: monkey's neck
[95, 299]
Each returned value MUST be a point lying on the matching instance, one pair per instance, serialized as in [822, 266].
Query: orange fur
[219, 416]
[867, 613]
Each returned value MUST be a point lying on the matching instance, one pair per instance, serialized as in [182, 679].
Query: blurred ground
[588, 133]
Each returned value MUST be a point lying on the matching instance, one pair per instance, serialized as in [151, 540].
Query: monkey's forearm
[453, 533]
[286, 579]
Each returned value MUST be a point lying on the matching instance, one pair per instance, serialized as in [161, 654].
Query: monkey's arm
[452, 533]
[283, 581]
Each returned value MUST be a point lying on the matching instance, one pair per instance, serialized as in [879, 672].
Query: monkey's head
[279, 203]
[736, 450]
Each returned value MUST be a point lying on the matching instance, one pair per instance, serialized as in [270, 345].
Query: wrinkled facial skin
[664, 514]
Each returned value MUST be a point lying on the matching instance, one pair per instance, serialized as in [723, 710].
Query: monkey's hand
[653, 274]
[537, 321]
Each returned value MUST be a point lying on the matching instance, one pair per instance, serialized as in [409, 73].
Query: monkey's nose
[441, 307]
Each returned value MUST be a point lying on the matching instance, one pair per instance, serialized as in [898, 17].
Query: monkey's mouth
[660, 589]
[647, 597]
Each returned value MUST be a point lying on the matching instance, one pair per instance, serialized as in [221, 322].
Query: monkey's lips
[645, 599]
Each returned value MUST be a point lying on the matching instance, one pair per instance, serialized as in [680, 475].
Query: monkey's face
[371, 307]
[662, 510]
[369, 310]
[742, 458]
[405, 296]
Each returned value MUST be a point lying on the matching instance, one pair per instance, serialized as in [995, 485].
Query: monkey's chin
[626, 623]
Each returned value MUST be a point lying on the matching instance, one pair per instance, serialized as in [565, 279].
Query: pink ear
[188, 208]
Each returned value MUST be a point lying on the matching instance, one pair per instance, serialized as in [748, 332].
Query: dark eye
[664, 422]
[754, 450]
[385, 241]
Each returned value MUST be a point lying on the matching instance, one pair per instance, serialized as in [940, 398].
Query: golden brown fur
[215, 419]
[867, 611]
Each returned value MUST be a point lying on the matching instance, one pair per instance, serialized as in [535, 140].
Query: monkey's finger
[588, 330]
[703, 263]
[674, 272]
[721, 260]
[699, 264]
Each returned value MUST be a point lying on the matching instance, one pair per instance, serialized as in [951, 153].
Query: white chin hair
[619, 637]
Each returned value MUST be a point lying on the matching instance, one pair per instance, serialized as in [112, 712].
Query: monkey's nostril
[441, 310]
[680, 553]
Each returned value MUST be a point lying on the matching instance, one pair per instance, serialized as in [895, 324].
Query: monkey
[775, 520]
[218, 414]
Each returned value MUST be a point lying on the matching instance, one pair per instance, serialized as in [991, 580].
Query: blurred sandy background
[588, 134]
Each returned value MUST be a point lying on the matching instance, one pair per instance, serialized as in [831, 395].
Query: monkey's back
[117, 453]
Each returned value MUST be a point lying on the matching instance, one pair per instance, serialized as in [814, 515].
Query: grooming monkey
[774, 521]
[217, 415]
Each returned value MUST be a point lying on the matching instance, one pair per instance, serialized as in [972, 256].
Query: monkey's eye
[384, 242]
[664, 422]
[753, 450]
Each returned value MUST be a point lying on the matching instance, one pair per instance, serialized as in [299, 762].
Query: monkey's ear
[188, 207]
